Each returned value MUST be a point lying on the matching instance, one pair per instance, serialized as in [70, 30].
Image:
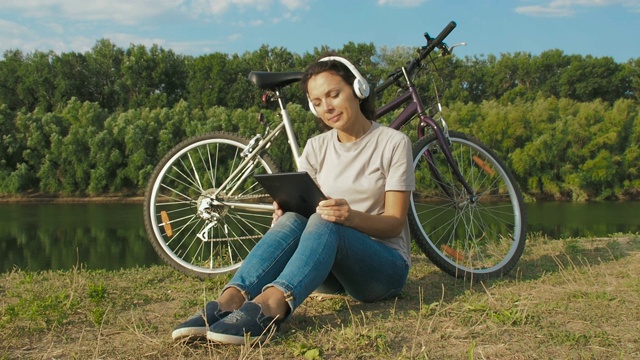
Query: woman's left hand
[277, 213]
[335, 210]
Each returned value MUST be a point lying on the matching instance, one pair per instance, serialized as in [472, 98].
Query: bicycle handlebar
[432, 44]
[437, 42]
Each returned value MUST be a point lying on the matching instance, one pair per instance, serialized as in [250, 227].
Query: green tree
[154, 78]
[104, 64]
[592, 78]
[71, 78]
[549, 67]
[513, 71]
[363, 57]
[632, 74]
[11, 78]
[209, 79]
[631, 158]
[67, 163]
[37, 81]
[472, 80]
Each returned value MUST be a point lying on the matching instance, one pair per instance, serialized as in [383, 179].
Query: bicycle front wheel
[480, 236]
[199, 219]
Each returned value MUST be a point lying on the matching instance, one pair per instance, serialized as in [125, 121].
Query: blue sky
[196, 27]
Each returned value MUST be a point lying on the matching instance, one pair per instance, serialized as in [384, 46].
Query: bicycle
[204, 212]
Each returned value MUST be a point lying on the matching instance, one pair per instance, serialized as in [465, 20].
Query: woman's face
[334, 100]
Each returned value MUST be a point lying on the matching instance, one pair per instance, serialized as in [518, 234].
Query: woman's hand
[277, 213]
[386, 225]
[335, 210]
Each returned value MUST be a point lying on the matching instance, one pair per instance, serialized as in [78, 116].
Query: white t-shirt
[362, 171]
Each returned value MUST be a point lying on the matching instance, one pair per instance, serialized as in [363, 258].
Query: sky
[196, 27]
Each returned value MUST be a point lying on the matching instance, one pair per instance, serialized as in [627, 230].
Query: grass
[567, 299]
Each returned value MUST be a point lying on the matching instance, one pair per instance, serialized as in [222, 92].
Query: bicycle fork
[443, 140]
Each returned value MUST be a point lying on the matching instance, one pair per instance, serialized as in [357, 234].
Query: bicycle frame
[256, 146]
[417, 108]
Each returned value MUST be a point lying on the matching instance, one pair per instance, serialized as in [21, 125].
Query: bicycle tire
[475, 240]
[190, 229]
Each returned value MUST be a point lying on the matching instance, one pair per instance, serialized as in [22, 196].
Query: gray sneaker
[247, 321]
[196, 326]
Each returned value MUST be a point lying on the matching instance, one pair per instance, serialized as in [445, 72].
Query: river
[112, 236]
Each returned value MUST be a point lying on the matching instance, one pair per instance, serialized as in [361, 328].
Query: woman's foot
[273, 303]
[196, 327]
[248, 322]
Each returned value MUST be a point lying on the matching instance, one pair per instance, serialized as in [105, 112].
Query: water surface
[112, 236]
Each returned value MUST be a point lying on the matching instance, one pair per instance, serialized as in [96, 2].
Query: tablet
[293, 191]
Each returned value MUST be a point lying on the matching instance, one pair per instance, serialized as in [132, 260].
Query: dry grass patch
[573, 298]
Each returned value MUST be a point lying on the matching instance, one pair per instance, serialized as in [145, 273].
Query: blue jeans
[297, 254]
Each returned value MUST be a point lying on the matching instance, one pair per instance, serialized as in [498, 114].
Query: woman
[358, 239]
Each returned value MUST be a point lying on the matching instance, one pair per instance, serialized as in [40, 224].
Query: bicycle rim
[194, 224]
[465, 238]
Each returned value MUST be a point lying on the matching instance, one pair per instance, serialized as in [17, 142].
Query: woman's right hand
[277, 212]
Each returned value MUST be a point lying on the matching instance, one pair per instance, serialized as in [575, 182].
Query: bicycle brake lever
[445, 50]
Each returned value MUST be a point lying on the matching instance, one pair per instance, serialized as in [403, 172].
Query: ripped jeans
[297, 255]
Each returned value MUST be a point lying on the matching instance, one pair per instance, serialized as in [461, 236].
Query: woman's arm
[387, 225]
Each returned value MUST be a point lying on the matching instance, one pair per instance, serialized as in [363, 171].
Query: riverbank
[570, 298]
[116, 198]
[44, 199]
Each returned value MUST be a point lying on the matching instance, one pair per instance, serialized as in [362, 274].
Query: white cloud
[55, 28]
[234, 37]
[219, 7]
[400, 3]
[290, 17]
[131, 12]
[11, 28]
[562, 8]
[120, 11]
[295, 4]
[12, 34]
[549, 11]
[247, 23]
[75, 25]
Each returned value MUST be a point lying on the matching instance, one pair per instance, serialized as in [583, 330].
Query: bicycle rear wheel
[199, 219]
[478, 239]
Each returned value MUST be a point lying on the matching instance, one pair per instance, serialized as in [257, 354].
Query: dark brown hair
[367, 105]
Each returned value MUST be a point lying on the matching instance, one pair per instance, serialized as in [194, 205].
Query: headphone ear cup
[312, 108]
[361, 88]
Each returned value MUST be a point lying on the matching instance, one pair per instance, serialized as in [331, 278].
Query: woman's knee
[316, 221]
[291, 218]
[290, 223]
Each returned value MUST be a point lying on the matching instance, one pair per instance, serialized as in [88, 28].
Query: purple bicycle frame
[417, 108]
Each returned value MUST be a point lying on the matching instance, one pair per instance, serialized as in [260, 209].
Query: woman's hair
[367, 105]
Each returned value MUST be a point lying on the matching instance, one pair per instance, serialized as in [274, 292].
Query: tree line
[97, 123]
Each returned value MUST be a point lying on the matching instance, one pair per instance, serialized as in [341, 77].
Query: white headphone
[360, 84]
